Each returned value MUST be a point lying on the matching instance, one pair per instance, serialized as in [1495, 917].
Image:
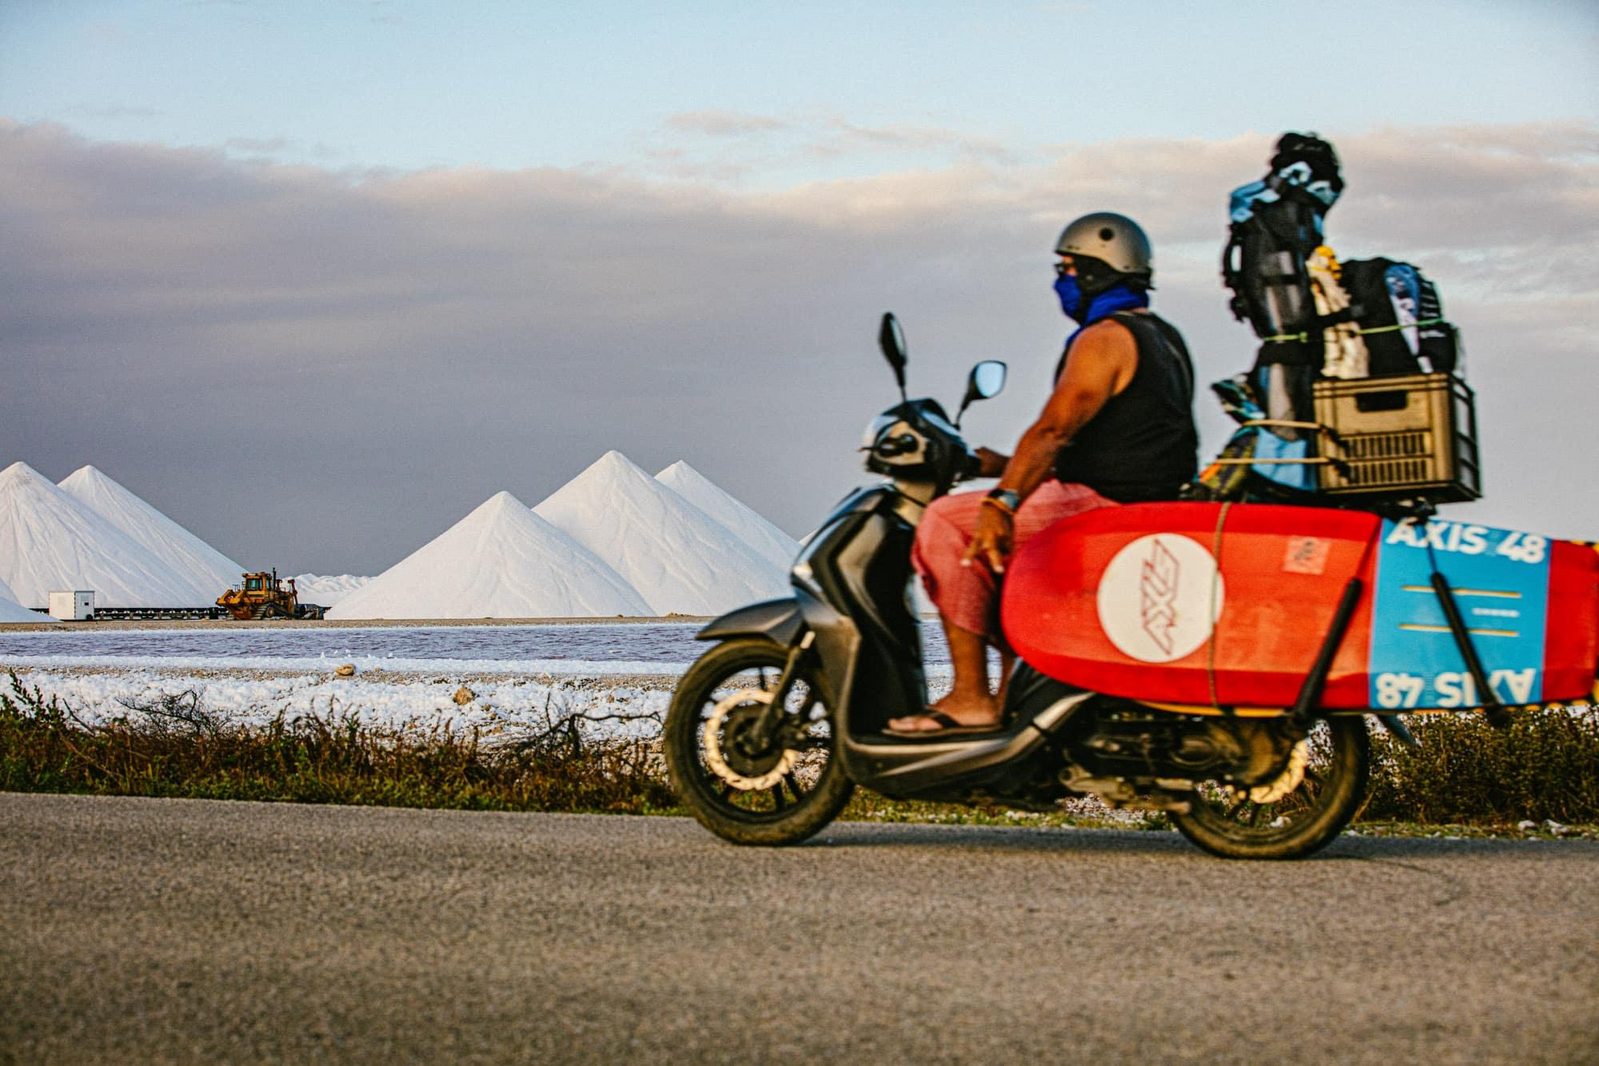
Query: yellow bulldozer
[265, 595]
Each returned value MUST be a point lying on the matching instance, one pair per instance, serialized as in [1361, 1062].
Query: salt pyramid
[327, 589]
[51, 541]
[678, 558]
[207, 570]
[12, 611]
[769, 542]
[500, 561]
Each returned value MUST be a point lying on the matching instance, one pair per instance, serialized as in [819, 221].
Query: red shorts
[964, 595]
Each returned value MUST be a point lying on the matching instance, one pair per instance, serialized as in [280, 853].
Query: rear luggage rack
[1402, 437]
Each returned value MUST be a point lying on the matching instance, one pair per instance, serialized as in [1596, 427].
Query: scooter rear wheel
[780, 795]
[1306, 819]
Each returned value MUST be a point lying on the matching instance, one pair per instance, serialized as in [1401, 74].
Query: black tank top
[1142, 444]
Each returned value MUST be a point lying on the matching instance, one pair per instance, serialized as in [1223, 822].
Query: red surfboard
[1571, 651]
[1193, 603]
[1218, 605]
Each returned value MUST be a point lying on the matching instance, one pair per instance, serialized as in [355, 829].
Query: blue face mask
[1083, 311]
[1071, 296]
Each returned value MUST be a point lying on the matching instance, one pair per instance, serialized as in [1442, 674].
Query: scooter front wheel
[778, 793]
[1328, 788]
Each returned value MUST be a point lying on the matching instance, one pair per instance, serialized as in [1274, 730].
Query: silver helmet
[1115, 240]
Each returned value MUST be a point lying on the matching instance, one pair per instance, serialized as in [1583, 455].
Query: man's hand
[990, 463]
[991, 540]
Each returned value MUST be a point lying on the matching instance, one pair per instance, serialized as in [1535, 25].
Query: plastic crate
[1406, 436]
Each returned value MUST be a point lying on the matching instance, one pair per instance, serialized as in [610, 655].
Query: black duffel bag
[1401, 318]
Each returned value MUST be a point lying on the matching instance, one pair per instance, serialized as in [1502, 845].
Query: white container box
[72, 606]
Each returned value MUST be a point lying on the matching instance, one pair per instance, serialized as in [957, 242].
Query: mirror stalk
[986, 381]
[891, 339]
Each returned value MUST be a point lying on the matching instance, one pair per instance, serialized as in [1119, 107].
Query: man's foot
[934, 723]
[949, 714]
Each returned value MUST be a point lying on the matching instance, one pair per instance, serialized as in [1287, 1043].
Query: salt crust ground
[501, 703]
[618, 698]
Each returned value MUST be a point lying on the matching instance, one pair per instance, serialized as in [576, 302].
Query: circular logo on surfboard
[1160, 597]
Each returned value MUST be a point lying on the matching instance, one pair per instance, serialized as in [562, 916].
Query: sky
[316, 279]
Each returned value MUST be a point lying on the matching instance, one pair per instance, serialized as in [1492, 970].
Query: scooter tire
[1304, 821]
[802, 801]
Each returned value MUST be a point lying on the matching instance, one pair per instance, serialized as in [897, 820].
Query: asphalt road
[149, 930]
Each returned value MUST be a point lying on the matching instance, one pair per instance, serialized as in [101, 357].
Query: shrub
[174, 746]
[1543, 766]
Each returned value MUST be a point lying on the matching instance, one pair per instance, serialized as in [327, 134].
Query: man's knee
[940, 540]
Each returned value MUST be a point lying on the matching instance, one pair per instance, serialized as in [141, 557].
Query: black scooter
[770, 731]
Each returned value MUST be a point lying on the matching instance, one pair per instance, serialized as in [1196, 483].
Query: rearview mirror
[891, 338]
[986, 381]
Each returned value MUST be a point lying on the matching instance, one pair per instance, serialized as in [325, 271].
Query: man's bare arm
[1102, 363]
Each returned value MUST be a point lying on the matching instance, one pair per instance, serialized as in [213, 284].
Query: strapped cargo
[1325, 325]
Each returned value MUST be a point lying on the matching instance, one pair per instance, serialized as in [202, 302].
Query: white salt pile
[500, 561]
[49, 541]
[327, 589]
[678, 558]
[769, 542]
[612, 541]
[11, 611]
[207, 571]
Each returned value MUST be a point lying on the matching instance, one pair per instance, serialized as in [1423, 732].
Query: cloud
[723, 123]
[374, 353]
[258, 145]
[1508, 190]
[112, 111]
[838, 136]
[833, 134]
[739, 149]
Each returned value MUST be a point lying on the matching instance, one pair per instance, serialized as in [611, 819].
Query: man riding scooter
[1118, 428]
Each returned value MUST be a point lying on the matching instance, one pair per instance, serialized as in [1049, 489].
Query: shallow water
[667, 644]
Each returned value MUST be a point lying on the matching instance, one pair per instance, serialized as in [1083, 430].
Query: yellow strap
[1284, 422]
[1304, 338]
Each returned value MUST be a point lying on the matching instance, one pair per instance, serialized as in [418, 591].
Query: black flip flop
[947, 727]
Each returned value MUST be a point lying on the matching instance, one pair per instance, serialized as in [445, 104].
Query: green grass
[1538, 777]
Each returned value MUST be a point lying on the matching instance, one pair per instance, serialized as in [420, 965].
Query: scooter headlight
[893, 445]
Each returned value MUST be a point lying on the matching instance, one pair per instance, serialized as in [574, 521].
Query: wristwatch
[1006, 498]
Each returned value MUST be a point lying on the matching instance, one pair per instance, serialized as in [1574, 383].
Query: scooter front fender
[776, 620]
